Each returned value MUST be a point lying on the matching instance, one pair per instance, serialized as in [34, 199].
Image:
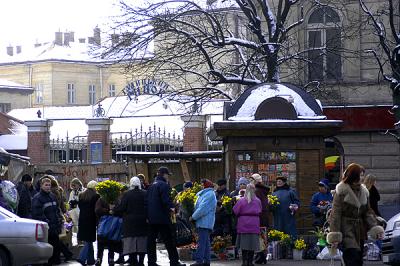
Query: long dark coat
[283, 219]
[261, 193]
[374, 197]
[87, 218]
[133, 209]
[159, 202]
[25, 194]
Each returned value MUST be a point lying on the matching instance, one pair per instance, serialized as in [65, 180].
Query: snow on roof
[13, 85]
[14, 142]
[248, 109]
[148, 111]
[49, 51]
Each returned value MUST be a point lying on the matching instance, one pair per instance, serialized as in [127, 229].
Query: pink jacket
[248, 216]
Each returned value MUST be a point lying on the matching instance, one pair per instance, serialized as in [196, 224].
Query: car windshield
[6, 214]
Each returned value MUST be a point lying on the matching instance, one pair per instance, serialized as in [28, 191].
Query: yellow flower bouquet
[300, 244]
[273, 200]
[109, 190]
[188, 198]
[227, 204]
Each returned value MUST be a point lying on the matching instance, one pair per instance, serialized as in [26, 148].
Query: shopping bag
[184, 234]
[110, 228]
[325, 254]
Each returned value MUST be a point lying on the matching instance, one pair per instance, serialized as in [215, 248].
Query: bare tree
[212, 50]
[384, 22]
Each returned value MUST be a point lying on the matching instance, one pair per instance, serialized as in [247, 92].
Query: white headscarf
[250, 193]
[135, 182]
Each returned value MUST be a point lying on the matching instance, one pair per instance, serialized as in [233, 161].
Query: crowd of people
[147, 212]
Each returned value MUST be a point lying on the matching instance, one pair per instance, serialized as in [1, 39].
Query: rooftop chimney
[19, 48]
[72, 36]
[66, 38]
[82, 40]
[114, 39]
[91, 40]
[10, 50]
[58, 40]
[37, 45]
[96, 36]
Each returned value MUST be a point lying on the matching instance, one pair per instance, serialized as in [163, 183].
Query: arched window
[323, 31]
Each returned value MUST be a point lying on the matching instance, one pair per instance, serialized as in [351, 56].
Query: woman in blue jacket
[204, 216]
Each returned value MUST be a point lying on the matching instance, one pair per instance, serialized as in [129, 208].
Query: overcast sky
[22, 22]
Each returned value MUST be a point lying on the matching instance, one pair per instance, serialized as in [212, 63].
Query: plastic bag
[184, 235]
[10, 193]
[373, 251]
[325, 254]
[110, 228]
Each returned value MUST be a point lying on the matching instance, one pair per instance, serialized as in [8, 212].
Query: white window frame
[39, 93]
[323, 27]
[92, 94]
[111, 90]
[71, 92]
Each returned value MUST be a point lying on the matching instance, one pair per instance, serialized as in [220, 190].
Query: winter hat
[257, 178]
[243, 181]
[135, 182]
[26, 177]
[188, 184]
[92, 184]
[324, 182]
[76, 181]
[207, 183]
[284, 179]
[163, 170]
[221, 182]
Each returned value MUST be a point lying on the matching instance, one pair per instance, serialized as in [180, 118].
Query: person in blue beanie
[321, 201]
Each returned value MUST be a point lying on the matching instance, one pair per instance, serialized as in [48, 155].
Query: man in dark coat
[160, 208]
[223, 220]
[45, 208]
[25, 193]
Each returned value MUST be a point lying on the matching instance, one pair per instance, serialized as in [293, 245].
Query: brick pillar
[99, 138]
[38, 140]
[194, 133]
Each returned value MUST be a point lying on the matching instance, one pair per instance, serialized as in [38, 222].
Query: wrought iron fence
[153, 140]
[72, 150]
[75, 150]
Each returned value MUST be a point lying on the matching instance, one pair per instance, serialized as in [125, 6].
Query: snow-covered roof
[148, 111]
[75, 51]
[7, 84]
[245, 107]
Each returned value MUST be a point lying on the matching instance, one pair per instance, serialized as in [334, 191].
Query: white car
[22, 241]
[391, 242]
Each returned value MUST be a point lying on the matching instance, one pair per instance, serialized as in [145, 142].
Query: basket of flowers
[219, 246]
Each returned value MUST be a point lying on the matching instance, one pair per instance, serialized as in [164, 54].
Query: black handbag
[184, 234]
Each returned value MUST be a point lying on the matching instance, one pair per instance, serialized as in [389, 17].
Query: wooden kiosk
[276, 130]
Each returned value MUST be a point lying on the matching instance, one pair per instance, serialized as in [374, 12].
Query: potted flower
[321, 236]
[299, 246]
[219, 246]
